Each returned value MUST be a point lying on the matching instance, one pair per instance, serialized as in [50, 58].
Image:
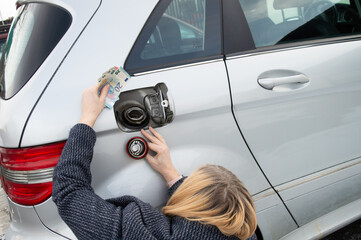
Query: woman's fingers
[150, 159]
[162, 161]
[149, 136]
[154, 147]
[156, 134]
[92, 104]
[156, 143]
[104, 92]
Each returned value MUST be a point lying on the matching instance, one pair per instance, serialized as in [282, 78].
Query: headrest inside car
[281, 4]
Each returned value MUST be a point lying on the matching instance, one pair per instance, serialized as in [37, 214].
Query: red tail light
[27, 172]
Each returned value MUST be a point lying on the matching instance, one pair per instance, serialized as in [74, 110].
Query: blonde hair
[214, 195]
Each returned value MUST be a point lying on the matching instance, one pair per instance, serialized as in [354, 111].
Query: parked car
[4, 31]
[269, 89]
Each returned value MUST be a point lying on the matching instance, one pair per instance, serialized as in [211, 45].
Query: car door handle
[282, 79]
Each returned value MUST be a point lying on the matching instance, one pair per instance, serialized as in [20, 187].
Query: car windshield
[35, 32]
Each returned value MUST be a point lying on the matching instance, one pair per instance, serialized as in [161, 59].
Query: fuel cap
[137, 148]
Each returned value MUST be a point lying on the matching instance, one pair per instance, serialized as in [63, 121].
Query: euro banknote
[117, 78]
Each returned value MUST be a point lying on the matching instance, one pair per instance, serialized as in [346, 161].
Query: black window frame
[130, 65]
[235, 39]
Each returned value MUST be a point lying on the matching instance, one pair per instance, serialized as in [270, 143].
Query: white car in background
[270, 89]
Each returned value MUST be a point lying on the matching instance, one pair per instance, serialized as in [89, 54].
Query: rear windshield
[35, 32]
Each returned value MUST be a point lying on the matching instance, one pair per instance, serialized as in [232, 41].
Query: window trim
[241, 40]
[290, 46]
[147, 30]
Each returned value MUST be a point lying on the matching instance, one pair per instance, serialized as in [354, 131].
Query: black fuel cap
[137, 147]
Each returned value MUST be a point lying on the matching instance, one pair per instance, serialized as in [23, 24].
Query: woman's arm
[88, 215]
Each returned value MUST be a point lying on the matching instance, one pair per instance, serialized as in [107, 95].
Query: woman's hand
[161, 162]
[92, 104]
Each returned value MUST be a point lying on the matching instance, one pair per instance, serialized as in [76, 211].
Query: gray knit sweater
[126, 217]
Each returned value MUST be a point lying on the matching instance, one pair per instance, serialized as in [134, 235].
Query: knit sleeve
[175, 186]
[88, 215]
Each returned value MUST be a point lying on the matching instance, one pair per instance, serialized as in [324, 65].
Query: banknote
[117, 78]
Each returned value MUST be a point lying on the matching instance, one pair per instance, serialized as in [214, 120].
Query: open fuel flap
[140, 108]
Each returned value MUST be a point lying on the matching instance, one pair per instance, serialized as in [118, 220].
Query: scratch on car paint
[318, 230]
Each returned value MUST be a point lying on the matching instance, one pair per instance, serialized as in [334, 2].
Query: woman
[210, 204]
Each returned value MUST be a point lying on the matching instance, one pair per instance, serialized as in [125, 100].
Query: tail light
[26, 173]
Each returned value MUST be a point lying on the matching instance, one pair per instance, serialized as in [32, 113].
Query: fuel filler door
[140, 108]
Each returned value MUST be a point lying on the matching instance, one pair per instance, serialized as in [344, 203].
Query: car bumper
[27, 225]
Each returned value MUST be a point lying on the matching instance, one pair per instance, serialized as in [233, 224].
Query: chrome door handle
[287, 79]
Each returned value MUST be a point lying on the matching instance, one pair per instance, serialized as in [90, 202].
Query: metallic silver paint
[15, 111]
[327, 223]
[299, 132]
[26, 225]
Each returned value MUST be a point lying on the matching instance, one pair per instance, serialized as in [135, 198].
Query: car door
[296, 87]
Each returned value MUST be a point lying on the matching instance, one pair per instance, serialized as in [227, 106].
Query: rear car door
[296, 87]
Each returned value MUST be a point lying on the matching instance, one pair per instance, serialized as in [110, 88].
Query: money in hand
[117, 78]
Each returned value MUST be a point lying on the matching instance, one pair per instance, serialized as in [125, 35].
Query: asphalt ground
[4, 212]
[350, 232]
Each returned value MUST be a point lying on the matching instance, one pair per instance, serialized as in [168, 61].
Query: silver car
[270, 89]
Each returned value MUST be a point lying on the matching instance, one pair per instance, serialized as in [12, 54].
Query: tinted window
[34, 34]
[2, 43]
[280, 21]
[178, 31]
[4, 29]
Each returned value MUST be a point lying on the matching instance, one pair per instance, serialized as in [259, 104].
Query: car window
[281, 21]
[4, 30]
[2, 43]
[178, 30]
[36, 30]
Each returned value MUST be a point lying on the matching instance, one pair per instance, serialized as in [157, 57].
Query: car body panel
[340, 185]
[15, 111]
[205, 126]
[272, 216]
[104, 55]
[328, 223]
[47, 212]
[297, 132]
[319, 118]
[33, 229]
